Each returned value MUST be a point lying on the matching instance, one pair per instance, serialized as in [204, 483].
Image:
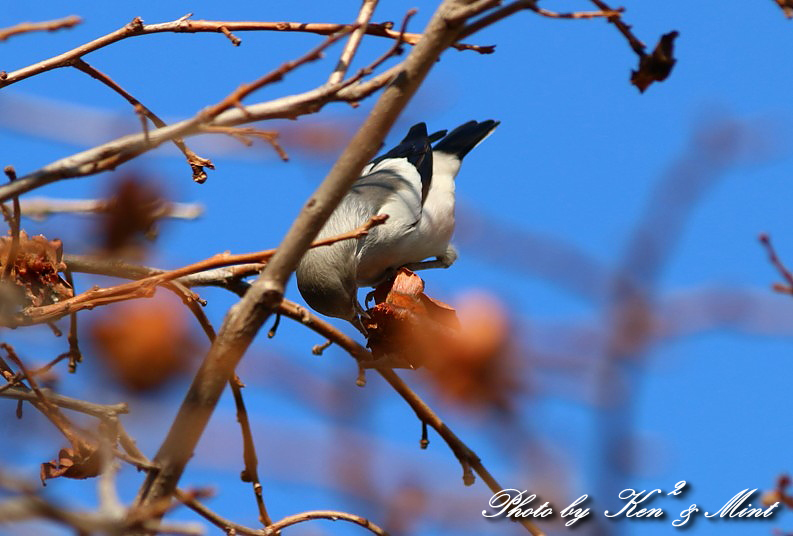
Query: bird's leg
[369, 297]
[441, 261]
[357, 320]
[388, 276]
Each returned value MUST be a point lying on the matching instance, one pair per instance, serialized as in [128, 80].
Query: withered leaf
[787, 7]
[469, 364]
[34, 276]
[407, 326]
[657, 66]
[72, 464]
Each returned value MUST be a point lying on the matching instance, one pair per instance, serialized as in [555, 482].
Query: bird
[414, 184]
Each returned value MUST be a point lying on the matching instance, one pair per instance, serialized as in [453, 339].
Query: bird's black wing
[416, 149]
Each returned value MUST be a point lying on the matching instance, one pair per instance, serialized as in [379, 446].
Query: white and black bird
[414, 184]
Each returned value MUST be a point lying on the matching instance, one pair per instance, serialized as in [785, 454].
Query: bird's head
[326, 280]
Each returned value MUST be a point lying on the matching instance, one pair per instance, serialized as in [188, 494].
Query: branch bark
[184, 25]
[244, 319]
[45, 26]
[114, 153]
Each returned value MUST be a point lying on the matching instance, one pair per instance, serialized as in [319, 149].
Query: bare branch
[48, 408]
[146, 287]
[765, 240]
[39, 208]
[114, 153]
[196, 163]
[246, 318]
[251, 471]
[471, 9]
[467, 457]
[575, 15]
[244, 135]
[10, 260]
[225, 277]
[331, 515]
[426, 415]
[184, 25]
[361, 23]
[45, 26]
[638, 47]
[236, 96]
[95, 410]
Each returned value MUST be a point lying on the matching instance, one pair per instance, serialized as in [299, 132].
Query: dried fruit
[130, 215]
[34, 280]
[470, 362]
[144, 343]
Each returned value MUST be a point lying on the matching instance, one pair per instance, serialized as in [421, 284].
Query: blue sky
[574, 164]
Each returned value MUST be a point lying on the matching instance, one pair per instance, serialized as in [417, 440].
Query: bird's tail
[463, 139]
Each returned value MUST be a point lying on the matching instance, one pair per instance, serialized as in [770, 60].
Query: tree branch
[40, 208]
[45, 26]
[332, 515]
[361, 23]
[196, 163]
[114, 153]
[95, 410]
[467, 457]
[185, 25]
[145, 287]
[245, 318]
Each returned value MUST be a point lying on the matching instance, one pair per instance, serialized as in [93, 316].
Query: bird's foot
[358, 319]
[441, 261]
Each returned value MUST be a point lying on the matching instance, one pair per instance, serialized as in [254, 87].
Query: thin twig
[236, 41]
[45, 26]
[182, 25]
[235, 528]
[227, 525]
[292, 310]
[246, 317]
[48, 408]
[638, 47]
[467, 457]
[765, 240]
[575, 15]
[114, 153]
[196, 163]
[332, 515]
[11, 258]
[145, 287]
[39, 208]
[101, 411]
[494, 16]
[226, 277]
[74, 354]
[235, 97]
[361, 23]
[244, 135]
[251, 471]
